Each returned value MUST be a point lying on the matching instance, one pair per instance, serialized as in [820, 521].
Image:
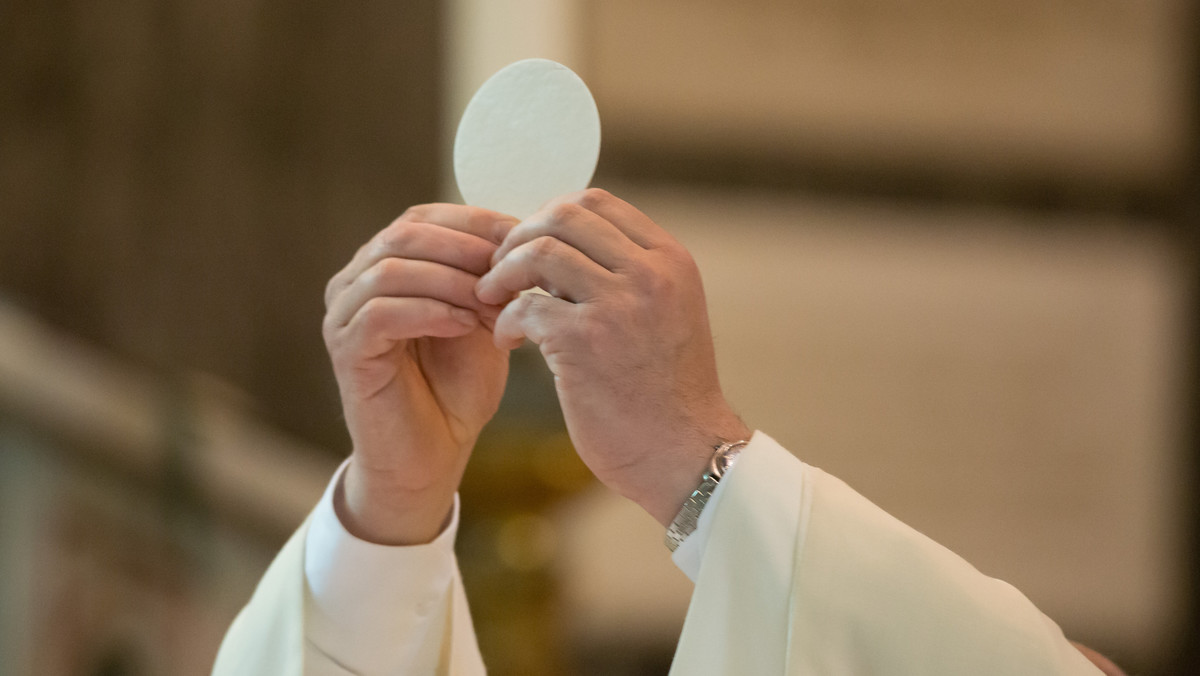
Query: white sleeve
[379, 610]
[688, 554]
[827, 583]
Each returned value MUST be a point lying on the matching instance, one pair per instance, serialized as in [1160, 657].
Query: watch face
[723, 461]
[720, 464]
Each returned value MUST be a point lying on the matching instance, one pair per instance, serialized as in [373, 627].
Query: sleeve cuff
[366, 600]
[689, 554]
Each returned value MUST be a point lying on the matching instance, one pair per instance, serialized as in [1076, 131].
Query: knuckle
[389, 269]
[372, 277]
[669, 281]
[594, 198]
[397, 238]
[414, 213]
[543, 247]
[331, 288]
[652, 284]
[480, 220]
[523, 305]
[338, 339]
[678, 253]
[565, 212]
[384, 276]
[372, 315]
[662, 286]
[525, 308]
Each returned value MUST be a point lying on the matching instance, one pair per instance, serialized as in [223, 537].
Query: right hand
[626, 335]
[418, 373]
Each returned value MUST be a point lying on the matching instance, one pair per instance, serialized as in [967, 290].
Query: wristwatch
[724, 455]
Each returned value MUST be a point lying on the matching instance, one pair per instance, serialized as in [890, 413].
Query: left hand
[625, 332]
[416, 366]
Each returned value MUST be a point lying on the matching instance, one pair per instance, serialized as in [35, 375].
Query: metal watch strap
[689, 515]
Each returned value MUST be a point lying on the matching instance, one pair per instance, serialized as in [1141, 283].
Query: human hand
[418, 373]
[625, 332]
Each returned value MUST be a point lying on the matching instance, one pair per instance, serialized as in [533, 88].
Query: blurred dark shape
[118, 660]
[523, 468]
[179, 179]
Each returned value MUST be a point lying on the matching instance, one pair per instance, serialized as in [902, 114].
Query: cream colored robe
[800, 575]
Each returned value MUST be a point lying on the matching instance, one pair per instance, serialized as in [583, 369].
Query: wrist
[688, 519]
[376, 509]
[662, 490]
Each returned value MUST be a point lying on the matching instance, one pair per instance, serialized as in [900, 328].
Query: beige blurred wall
[1086, 91]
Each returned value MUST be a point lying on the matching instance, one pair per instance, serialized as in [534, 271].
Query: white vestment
[798, 575]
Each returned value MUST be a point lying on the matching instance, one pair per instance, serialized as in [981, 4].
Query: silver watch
[724, 456]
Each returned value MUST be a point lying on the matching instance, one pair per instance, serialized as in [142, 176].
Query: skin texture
[625, 332]
[419, 325]
[409, 329]
[416, 366]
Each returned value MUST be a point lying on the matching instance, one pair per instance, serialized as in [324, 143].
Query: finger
[402, 277]
[559, 268]
[483, 223]
[627, 218]
[532, 316]
[382, 322]
[454, 235]
[595, 237]
[419, 241]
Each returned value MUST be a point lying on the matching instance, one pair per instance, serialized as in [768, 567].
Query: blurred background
[950, 250]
